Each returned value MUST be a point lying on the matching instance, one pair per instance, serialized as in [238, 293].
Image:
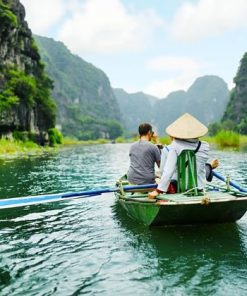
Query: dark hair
[144, 128]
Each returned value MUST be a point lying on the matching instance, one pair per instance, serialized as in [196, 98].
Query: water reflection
[189, 259]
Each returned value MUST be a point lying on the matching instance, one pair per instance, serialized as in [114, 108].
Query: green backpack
[187, 172]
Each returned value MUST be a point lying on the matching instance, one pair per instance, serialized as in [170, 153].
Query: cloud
[207, 18]
[182, 72]
[43, 15]
[162, 88]
[170, 63]
[107, 26]
[92, 25]
[231, 85]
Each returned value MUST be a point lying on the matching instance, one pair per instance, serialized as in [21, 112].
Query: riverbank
[19, 148]
[16, 148]
[223, 140]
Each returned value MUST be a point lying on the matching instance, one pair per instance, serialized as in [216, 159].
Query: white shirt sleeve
[169, 169]
[164, 154]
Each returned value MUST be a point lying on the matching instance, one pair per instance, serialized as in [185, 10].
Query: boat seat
[187, 172]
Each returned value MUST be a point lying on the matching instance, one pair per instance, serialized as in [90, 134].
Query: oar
[107, 190]
[232, 183]
[30, 200]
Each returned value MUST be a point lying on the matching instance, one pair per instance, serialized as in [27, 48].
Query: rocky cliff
[235, 116]
[86, 105]
[25, 103]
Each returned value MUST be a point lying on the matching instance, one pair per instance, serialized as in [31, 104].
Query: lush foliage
[18, 88]
[55, 137]
[7, 17]
[115, 129]
[7, 146]
[235, 113]
[7, 99]
[23, 86]
[216, 127]
[228, 138]
[25, 101]
[89, 128]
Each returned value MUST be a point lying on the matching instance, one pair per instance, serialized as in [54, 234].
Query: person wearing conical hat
[185, 132]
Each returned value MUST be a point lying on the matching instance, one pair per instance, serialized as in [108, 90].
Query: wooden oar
[232, 183]
[31, 200]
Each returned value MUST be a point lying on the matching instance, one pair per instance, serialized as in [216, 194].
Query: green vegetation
[235, 114]
[227, 139]
[21, 85]
[24, 136]
[135, 108]
[114, 129]
[10, 147]
[72, 141]
[25, 101]
[7, 100]
[165, 140]
[19, 88]
[55, 137]
[7, 18]
[120, 140]
[86, 128]
[87, 108]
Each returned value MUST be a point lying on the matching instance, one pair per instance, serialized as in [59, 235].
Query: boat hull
[215, 208]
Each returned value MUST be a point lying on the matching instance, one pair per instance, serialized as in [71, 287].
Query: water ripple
[90, 246]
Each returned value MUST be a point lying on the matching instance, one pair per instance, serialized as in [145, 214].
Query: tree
[115, 129]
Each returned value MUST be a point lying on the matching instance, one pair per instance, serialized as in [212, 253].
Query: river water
[91, 247]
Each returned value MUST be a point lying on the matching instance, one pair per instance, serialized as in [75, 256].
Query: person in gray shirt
[143, 156]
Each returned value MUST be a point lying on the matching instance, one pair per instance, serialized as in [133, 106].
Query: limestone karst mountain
[87, 107]
[25, 102]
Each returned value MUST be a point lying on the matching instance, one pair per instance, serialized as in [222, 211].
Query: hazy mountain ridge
[85, 100]
[206, 99]
[135, 108]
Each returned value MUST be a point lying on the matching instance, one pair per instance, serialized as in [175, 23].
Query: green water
[90, 246]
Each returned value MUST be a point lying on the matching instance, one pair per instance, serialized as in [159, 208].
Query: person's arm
[209, 169]
[169, 169]
[156, 155]
[155, 139]
[164, 154]
[209, 172]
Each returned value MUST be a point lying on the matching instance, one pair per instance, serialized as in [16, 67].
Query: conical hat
[186, 127]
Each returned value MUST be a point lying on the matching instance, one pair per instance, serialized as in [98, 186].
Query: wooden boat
[190, 206]
[177, 209]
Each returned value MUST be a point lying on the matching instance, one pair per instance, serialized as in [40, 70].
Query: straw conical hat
[186, 127]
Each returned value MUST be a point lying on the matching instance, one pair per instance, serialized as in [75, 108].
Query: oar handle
[95, 192]
[232, 183]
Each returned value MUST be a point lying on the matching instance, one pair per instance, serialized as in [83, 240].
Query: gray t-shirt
[143, 156]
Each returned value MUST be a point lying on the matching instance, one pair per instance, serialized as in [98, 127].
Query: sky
[153, 46]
